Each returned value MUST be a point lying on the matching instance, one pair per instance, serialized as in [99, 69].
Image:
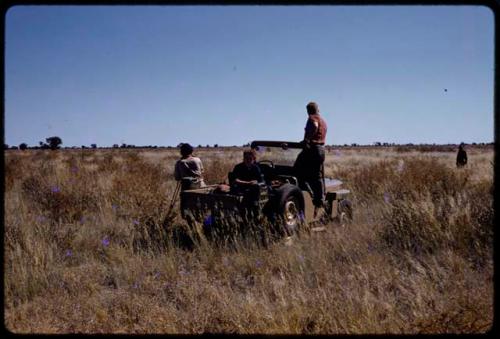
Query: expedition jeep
[284, 200]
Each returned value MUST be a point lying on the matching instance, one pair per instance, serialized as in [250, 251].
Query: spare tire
[289, 208]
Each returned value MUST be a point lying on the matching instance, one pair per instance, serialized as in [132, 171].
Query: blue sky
[161, 75]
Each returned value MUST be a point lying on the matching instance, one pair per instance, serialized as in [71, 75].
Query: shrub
[432, 206]
[139, 195]
[62, 200]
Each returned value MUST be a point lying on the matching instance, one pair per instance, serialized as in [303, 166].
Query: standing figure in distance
[189, 169]
[461, 156]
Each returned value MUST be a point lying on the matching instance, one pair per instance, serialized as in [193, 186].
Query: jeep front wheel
[290, 208]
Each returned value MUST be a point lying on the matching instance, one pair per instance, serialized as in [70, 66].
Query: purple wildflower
[105, 241]
[55, 189]
[74, 169]
[208, 221]
[157, 275]
[69, 253]
[114, 207]
[258, 263]
[40, 218]
[387, 197]
[225, 261]
[183, 271]
[302, 216]
[301, 258]
[136, 222]
[136, 285]
[82, 220]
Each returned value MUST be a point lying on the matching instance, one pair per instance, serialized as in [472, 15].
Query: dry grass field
[84, 251]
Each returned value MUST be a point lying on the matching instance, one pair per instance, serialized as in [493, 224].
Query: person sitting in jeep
[245, 179]
[189, 169]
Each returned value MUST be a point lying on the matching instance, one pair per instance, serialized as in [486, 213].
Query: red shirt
[315, 130]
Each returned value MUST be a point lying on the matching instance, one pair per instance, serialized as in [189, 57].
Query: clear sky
[161, 75]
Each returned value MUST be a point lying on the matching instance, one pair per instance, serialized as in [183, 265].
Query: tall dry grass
[85, 250]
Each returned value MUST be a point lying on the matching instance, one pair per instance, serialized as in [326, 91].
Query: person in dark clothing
[245, 179]
[309, 162]
[461, 156]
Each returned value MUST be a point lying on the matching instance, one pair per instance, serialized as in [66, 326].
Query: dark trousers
[308, 168]
[251, 197]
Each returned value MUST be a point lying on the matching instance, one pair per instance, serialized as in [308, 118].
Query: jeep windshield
[279, 152]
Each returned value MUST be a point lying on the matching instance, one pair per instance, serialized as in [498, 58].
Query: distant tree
[354, 144]
[115, 146]
[83, 146]
[23, 146]
[199, 146]
[5, 146]
[54, 142]
[216, 145]
[93, 145]
[13, 147]
[208, 146]
[123, 145]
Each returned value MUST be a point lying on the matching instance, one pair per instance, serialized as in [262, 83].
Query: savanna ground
[84, 250]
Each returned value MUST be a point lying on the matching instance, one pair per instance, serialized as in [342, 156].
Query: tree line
[55, 142]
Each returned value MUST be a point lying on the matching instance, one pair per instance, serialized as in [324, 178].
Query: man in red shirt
[309, 161]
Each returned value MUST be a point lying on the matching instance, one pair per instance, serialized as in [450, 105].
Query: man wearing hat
[189, 169]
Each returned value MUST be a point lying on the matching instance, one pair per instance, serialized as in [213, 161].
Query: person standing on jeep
[310, 161]
[189, 169]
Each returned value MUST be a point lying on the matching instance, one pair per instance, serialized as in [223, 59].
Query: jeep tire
[289, 208]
